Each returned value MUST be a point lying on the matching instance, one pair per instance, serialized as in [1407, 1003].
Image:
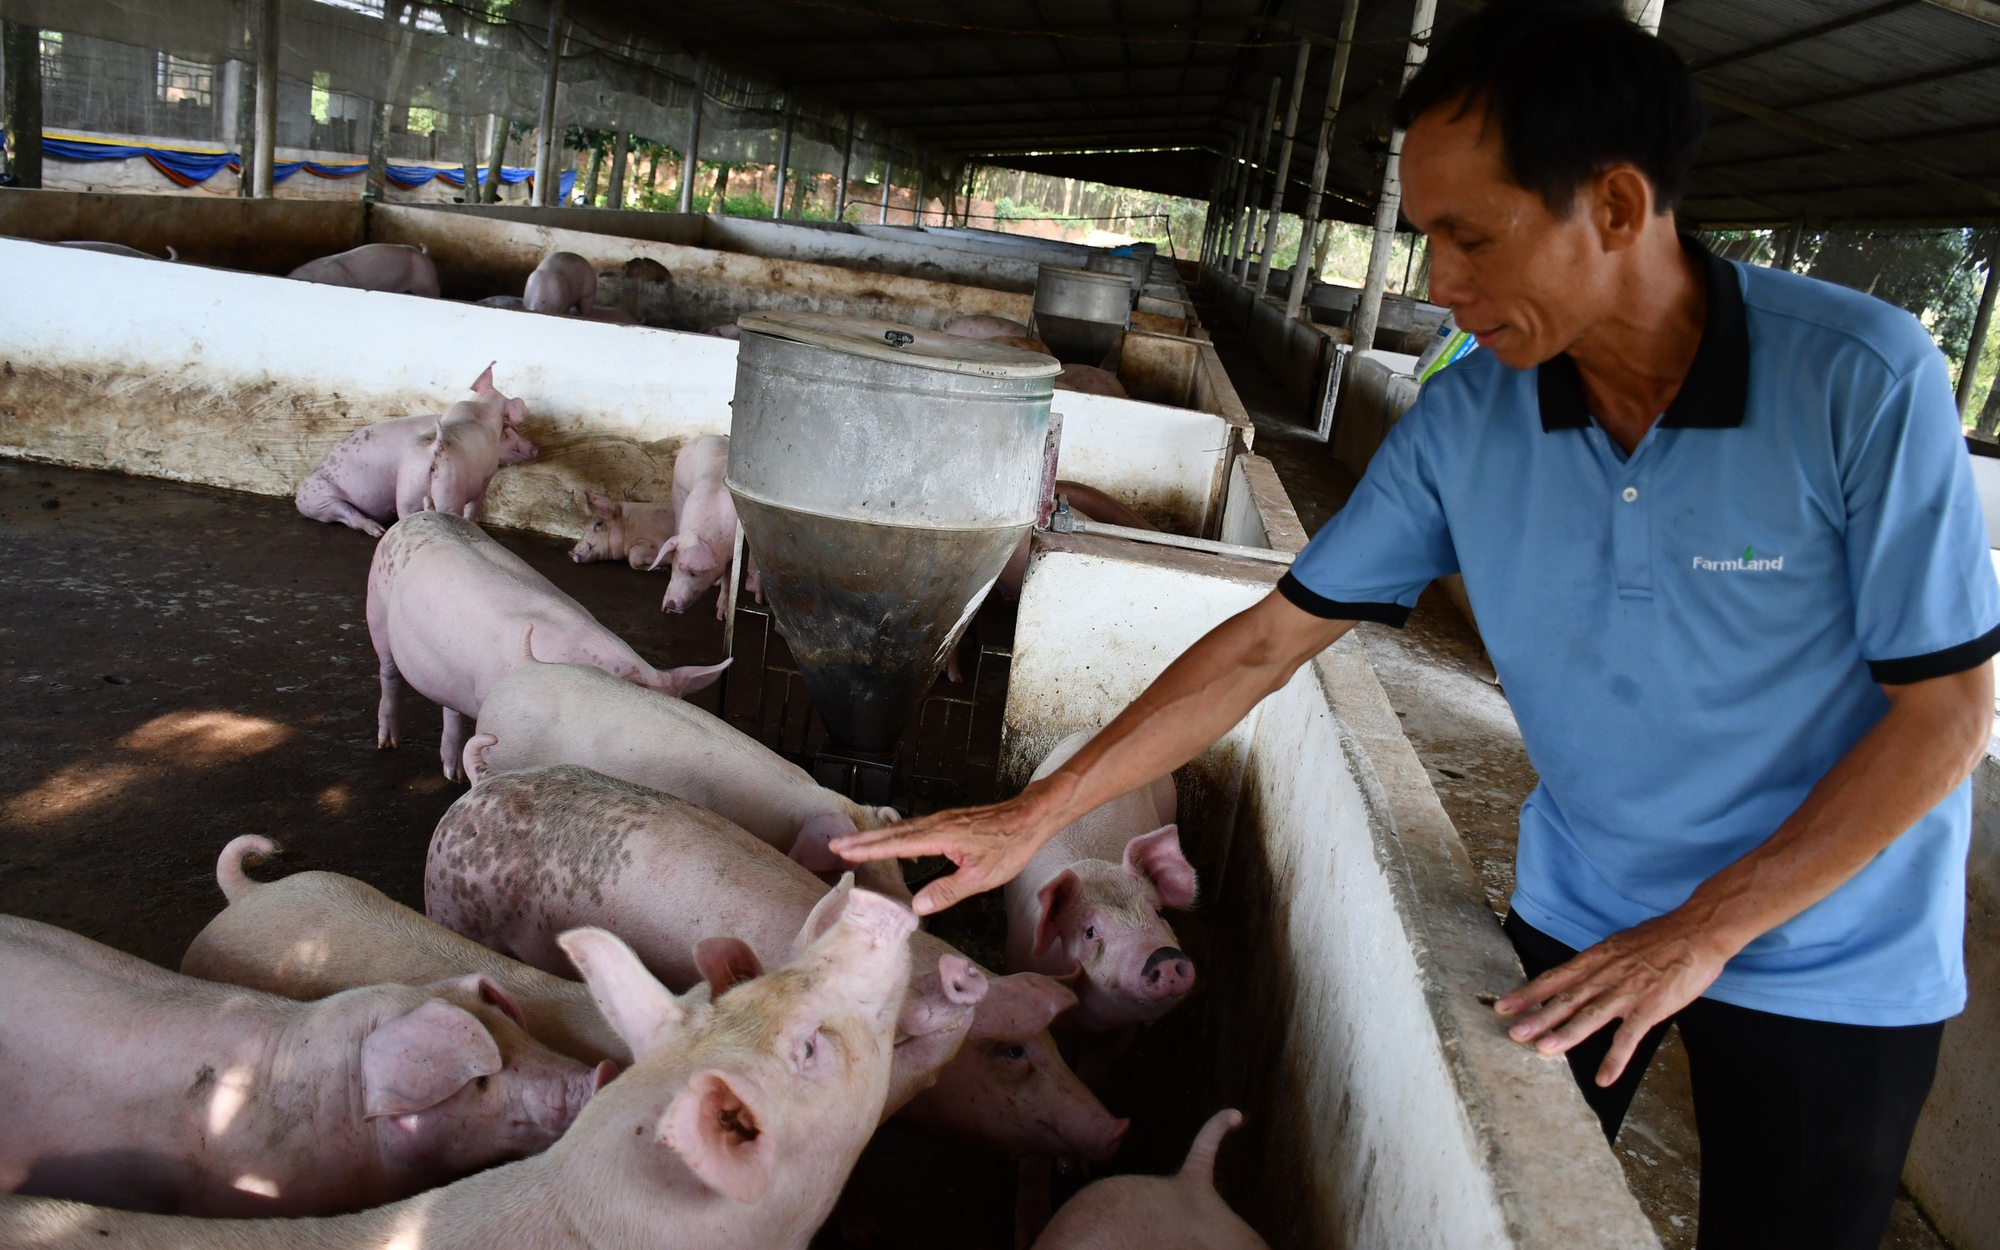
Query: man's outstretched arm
[1200, 697]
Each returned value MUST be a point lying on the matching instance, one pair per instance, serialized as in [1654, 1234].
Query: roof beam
[1897, 84]
[1780, 120]
[1811, 32]
[1054, 71]
[1978, 10]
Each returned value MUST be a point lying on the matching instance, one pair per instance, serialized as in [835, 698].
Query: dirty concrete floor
[1456, 716]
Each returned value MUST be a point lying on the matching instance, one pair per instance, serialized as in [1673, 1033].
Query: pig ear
[477, 987]
[1058, 897]
[811, 850]
[1019, 1006]
[484, 382]
[601, 505]
[717, 1132]
[636, 1006]
[420, 1059]
[514, 411]
[1155, 858]
[725, 963]
[823, 914]
[667, 548]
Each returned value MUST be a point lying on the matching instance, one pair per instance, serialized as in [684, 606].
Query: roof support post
[888, 169]
[621, 148]
[548, 184]
[846, 161]
[1239, 189]
[468, 154]
[21, 47]
[784, 159]
[264, 155]
[1303, 276]
[398, 15]
[923, 182]
[1789, 250]
[690, 157]
[1265, 137]
[1368, 310]
[1211, 220]
[496, 157]
[1976, 345]
[1284, 171]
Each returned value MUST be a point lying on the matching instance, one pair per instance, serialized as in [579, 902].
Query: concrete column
[548, 180]
[784, 159]
[229, 108]
[1261, 161]
[888, 168]
[21, 53]
[1284, 172]
[692, 155]
[262, 184]
[1645, 13]
[496, 157]
[1976, 345]
[1322, 157]
[1368, 310]
[621, 149]
[846, 162]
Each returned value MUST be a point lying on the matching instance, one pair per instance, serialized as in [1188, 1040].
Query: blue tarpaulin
[188, 166]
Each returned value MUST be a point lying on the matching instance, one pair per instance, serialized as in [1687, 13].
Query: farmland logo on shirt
[1748, 562]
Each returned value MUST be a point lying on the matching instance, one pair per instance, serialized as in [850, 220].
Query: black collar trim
[1715, 392]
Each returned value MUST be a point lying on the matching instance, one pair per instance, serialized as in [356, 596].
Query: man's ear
[418, 1060]
[1059, 902]
[1156, 859]
[636, 1006]
[726, 962]
[718, 1133]
[1623, 200]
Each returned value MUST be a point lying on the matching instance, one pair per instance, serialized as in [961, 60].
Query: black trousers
[1803, 1124]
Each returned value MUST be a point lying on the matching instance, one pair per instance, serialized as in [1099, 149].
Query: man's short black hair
[1575, 88]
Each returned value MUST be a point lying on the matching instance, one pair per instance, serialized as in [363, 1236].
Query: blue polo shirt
[1692, 635]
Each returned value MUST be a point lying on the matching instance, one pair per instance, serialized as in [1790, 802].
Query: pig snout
[1168, 973]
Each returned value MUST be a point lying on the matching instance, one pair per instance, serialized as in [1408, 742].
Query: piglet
[734, 1130]
[452, 612]
[527, 854]
[313, 934]
[984, 327]
[1180, 1212]
[1086, 501]
[727, 330]
[575, 714]
[1087, 909]
[632, 532]
[705, 526]
[451, 470]
[359, 481]
[133, 1086]
[563, 282]
[394, 267]
[1090, 380]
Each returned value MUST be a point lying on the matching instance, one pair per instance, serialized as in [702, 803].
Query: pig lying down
[452, 612]
[394, 267]
[735, 1128]
[525, 855]
[1087, 908]
[393, 468]
[1181, 1212]
[210, 1100]
[632, 532]
[575, 714]
[563, 282]
[314, 934]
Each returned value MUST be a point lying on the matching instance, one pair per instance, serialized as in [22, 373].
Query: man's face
[1524, 281]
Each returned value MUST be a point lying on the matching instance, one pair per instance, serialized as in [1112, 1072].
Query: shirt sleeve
[1372, 559]
[1926, 603]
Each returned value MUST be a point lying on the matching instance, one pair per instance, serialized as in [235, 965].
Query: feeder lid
[885, 340]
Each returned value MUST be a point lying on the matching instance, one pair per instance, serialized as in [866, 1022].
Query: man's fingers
[943, 892]
[1600, 1008]
[1624, 1044]
[896, 841]
[1545, 987]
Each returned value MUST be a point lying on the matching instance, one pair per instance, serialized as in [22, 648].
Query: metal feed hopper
[1081, 314]
[883, 474]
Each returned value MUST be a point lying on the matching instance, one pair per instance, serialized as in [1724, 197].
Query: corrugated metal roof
[1833, 111]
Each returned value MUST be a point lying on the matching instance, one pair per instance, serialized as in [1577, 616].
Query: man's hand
[990, 845]
[1642, 976]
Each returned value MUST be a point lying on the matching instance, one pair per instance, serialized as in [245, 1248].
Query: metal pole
[1368, 312]
[496, 157]
[21, 50]
[784, 158]
[1976, 345]
[262, 184]
[888, 168]
[621, 147]
[846, 162]
[923, 181]
[468, 149]
[1232, 225]
[1264, 141]
[1322, 157]
[694, 137]
[1284, 172]
[548, 185]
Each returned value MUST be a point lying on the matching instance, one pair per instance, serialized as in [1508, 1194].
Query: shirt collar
[1716, 390]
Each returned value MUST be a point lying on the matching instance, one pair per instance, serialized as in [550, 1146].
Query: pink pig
[452, 612]
[394, 267]
[632, 532]
[527, 854]
[1089, 903]
[563, 282]
[980, 326]
[1180, 1212]
[133, 1086]
[451, 470]
[705, 526]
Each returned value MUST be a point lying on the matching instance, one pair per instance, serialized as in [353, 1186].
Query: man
[1722, 539]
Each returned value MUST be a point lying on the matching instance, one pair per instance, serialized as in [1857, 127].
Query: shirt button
[1630, 494]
